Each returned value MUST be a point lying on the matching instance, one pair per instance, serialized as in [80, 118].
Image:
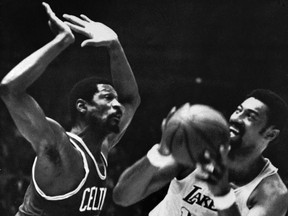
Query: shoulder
[272, 186]
[61, 152]
[271, 192]
[55, 126]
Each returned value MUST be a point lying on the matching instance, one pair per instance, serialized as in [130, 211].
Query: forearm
[134, 183]
[145, 177]
[31, 68]
[122, 75]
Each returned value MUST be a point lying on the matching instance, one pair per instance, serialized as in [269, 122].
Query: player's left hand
[98, 33]
[214, 172]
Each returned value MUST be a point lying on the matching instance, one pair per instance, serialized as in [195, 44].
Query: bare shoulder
[61, 167]
[63, 152]
[271, 194]
[273, 186]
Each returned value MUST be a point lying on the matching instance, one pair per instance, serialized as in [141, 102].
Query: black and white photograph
[143, 108]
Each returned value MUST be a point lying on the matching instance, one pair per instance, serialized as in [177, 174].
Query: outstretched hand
[56, 25]
[215, 172]
[98, 33]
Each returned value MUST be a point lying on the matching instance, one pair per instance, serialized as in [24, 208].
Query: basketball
[192, 129]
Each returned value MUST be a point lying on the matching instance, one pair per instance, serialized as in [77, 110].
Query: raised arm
[26, 113]
[123, 79]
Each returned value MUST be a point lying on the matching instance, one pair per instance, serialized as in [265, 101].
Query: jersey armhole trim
[69, 194]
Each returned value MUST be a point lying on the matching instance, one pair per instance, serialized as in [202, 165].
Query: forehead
[106, 88]
[255, 105]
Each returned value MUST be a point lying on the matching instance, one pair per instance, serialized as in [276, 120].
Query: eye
[238, 110]
[108, 97]
[251, 116]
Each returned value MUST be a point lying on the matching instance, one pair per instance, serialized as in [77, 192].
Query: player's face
[247, 126]
[106, 108]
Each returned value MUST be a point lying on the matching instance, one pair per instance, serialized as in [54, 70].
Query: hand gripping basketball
[193, 129]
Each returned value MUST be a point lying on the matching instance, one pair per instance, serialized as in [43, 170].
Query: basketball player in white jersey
[69, 172]
[240, 182]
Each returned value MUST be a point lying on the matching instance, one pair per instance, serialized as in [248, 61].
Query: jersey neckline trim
[79, 139]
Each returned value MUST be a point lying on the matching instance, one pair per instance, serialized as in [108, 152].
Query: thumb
[91, 42]
[87, 43]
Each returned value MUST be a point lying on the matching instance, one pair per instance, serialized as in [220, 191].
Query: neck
[92, 137]
[244, 171]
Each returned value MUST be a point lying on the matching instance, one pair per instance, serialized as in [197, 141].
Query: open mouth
[236, 131]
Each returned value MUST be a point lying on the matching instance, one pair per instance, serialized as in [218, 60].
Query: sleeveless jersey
[192, 197]
[86, 199]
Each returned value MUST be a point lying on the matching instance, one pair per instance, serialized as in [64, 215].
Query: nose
[237, 116]
[117, 105]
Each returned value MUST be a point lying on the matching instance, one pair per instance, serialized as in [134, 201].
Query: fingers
[217, 166]
[75, 20]
[171, 113]
[163, 124]
[76, 28]
[48, 9]
[224, 151]
[211, 170]
[206, 174]
[85, 18]
[165, 120]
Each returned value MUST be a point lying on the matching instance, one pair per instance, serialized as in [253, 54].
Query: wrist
[114, 45]
[157, 159]
[64, 39]
[225, 201]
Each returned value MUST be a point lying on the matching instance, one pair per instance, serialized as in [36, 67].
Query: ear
[81, 106]
[271, 134]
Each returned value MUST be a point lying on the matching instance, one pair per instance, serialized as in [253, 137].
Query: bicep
[278, 208]
[30, 120]
[270, 198]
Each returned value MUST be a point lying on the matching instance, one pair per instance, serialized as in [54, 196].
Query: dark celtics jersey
[86, 199]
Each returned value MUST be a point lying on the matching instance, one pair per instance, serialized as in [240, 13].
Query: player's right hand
[164, 148]
[57, 26]
[98, 34]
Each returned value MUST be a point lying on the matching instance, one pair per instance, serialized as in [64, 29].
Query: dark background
[211, 52]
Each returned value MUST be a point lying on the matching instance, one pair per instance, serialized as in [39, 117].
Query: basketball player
[241, 182]
[69, 172]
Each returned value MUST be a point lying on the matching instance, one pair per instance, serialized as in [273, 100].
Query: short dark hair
[277, 107]
[84, 89]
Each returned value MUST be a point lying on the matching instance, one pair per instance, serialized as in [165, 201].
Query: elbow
[4, 89]
[133, 101]
[137, 100]
[119, 198]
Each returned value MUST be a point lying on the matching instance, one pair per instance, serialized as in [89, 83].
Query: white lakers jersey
[192, 197]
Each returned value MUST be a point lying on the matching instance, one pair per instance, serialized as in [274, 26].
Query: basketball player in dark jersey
[69, 172]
